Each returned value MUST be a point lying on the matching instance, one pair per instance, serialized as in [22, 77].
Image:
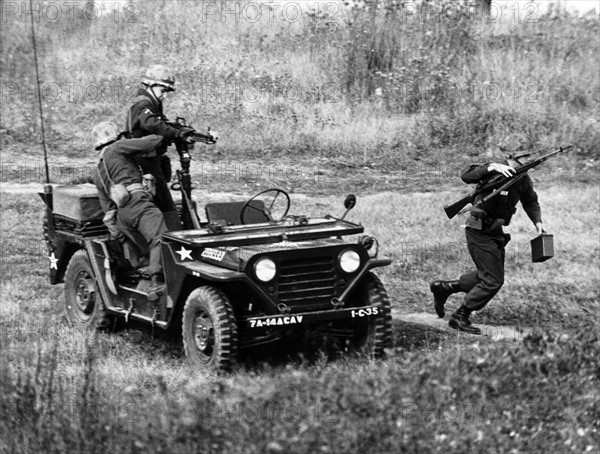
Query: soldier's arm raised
[148, 120]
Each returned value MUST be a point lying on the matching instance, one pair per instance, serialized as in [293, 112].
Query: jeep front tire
[209, 329]
[372, 334]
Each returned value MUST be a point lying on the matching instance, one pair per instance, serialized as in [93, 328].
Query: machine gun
[496, 184]
[190, 134]
[184, 145]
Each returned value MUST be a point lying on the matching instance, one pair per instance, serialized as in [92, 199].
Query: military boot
[158, 287]
[441, 291]
[460, 321]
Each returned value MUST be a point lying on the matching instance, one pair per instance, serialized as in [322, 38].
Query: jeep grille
[308, 283]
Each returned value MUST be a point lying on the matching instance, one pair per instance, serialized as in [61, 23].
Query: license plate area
[281, 320]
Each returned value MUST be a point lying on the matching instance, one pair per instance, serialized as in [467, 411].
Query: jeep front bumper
[311, 317]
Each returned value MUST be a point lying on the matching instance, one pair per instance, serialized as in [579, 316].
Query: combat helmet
[159, 75]
[104, 133]
[503, 157]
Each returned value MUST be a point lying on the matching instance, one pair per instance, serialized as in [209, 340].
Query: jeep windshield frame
[239, 235]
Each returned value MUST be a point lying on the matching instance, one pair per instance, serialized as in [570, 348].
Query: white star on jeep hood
[184, 253]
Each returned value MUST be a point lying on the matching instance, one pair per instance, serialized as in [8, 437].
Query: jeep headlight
[349, 261]
[265, 269]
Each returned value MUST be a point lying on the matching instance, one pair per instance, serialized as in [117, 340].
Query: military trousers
[142, 215]
[163, 198]
[487, 250]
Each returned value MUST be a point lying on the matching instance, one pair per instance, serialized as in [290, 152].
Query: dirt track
[489, 332]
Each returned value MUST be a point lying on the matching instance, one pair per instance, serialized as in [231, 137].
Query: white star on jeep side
[53, 261]
[184, 253]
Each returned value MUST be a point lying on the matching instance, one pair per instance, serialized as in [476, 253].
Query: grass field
[372, 100]
[128, 391]
[373, 85]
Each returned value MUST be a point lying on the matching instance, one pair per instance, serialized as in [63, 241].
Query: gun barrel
[499, 180]
[199, 137]
[530, 165]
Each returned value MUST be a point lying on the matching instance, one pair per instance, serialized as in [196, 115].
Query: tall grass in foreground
[538, 396]
[372, 85]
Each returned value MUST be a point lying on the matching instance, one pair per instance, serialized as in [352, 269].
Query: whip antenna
[39, 94]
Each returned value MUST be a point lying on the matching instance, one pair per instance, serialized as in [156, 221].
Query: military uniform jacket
[504, 205]
[146, 117]
[117, 163]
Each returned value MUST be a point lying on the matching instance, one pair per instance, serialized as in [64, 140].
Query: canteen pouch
[119, 194]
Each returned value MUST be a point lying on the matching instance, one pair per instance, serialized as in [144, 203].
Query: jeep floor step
[134, 315]
[134, 290]
[145, 285]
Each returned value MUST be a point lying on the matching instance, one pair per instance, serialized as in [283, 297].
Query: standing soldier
[146, 117]
[486, 242]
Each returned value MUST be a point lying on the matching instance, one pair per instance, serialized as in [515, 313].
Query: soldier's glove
[507, 171]
[213, 136]
[149, 183]
[185, 131]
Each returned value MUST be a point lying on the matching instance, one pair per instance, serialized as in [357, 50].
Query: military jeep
[250, 274]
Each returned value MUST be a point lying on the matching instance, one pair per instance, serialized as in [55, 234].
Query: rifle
[497, 184]
[184, 183]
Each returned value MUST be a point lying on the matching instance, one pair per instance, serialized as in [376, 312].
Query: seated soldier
[122, 194]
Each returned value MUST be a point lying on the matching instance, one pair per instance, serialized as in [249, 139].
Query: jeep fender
[176, 272]
[372, 263]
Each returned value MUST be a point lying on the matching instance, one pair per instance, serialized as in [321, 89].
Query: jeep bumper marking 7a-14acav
[308, 317]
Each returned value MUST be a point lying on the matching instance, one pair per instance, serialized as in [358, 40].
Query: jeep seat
[229, 213]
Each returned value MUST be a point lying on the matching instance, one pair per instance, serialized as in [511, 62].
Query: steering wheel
[274, 213]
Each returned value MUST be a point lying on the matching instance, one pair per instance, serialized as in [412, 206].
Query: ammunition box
[79, 202]
[542, 247]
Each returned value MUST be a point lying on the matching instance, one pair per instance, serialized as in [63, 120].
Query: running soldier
[486, 243]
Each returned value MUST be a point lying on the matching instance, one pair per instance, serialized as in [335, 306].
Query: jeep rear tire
[209, 329]
[83, 303]
[372, 334]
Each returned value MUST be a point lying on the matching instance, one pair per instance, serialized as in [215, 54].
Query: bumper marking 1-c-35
[317, 316]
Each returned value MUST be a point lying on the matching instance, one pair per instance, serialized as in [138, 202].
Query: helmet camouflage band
[159, 75]
[104, 133]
